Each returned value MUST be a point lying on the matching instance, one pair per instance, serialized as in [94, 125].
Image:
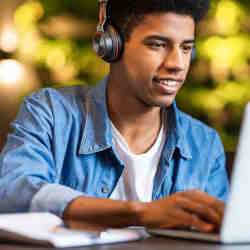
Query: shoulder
[66, 94]
[58, 99]
[189, 123]
[199, 134]
[54, 105]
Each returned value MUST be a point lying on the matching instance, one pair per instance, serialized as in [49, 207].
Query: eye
[187, 48]
[156, 45]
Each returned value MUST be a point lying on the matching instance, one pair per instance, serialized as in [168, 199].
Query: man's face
[156, 58]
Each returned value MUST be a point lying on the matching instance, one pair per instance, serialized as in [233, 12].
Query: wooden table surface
[152, 243]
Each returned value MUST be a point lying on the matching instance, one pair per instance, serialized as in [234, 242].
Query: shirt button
[105, 190]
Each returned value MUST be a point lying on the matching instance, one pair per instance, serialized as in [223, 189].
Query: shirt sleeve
[29, 178]
[218, 184]
[53, 198]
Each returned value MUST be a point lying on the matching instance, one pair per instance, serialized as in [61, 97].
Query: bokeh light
[227, 17]
[28, 14]
[11, 72]
[8, 39]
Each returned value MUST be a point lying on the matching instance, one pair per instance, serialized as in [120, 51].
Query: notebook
[236, 221]
[47, 229]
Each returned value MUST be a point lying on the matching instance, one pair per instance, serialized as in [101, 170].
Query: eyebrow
[165, 39]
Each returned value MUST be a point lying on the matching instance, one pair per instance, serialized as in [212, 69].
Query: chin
[164, 103]
[160, 104]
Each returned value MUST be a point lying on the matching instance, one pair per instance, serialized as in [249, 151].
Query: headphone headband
[102, 15]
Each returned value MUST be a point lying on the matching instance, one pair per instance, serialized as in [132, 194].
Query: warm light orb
[11, 72]
[227, 15]
[9, 40]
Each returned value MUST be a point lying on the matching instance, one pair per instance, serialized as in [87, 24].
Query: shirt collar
[178, 126]
[97, 134]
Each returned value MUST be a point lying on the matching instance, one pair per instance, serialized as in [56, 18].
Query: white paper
[44, 228]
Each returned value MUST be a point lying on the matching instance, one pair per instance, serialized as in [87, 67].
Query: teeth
[169, 83]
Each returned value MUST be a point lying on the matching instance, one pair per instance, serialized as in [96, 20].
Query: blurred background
[47, 43]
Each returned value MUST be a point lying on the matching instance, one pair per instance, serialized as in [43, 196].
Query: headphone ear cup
[98, 44]
[193, 55]
[115, 46]
[108, 45]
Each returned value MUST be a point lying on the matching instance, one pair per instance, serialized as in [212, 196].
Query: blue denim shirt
[62, 148]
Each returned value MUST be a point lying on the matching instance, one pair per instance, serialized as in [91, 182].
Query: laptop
[236, 221]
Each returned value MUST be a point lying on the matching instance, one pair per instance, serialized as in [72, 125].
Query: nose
[174, 60]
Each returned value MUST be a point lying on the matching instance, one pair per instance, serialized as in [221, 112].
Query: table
[152, 243]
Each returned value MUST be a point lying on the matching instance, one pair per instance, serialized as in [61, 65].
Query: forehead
[176, 27]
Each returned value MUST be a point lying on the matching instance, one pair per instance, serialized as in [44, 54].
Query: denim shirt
[62, 148]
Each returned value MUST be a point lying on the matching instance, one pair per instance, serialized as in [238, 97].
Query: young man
[121, 153]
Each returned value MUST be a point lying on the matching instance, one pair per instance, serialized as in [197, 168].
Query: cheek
[187, 66]
[145, 66]
[140, 60]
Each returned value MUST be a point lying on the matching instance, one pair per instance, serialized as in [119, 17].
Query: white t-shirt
[136, 181]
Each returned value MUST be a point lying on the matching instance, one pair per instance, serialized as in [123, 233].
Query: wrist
[140, 211]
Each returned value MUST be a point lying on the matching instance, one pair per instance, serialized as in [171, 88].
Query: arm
[28, 170]
[192, 208]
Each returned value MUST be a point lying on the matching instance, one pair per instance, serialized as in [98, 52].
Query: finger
[180, 218]
[203, 211]
[200, 225]
[208, 200]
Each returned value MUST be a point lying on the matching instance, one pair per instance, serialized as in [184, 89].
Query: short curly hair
[125, 15]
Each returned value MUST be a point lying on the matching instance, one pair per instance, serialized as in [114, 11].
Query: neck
[138, 123]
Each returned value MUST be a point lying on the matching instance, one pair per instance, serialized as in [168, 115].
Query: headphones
[107, 42]
[193, 54]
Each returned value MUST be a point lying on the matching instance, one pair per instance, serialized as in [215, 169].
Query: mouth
[168, 85]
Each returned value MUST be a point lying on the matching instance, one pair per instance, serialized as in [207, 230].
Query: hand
[192, 208]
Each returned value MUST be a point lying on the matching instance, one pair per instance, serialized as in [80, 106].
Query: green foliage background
[55, 39]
